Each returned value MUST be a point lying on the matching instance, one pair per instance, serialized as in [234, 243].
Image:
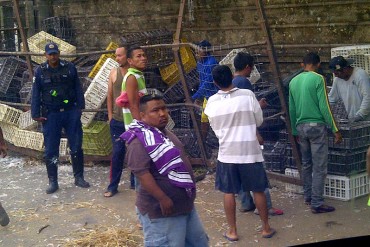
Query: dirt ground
[38, 219]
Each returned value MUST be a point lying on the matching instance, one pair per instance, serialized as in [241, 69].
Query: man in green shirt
[310, 114]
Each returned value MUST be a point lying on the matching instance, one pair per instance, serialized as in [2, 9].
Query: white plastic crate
[346, 188]
[37, 43]
[229, 61]
[346, 51]
[171, 124]
[9, 132]
[359, 53]
[26, 122]
[29, 139]
[9, 115]
[63, 147]
[96, 93]
[154, 91]
[293, 187]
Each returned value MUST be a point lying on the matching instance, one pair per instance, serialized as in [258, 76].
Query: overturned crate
[103, 58]
[37, 43]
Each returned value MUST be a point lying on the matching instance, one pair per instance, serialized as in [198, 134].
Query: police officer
[57, 100]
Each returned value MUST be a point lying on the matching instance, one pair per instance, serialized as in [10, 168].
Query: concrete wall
[294, 22]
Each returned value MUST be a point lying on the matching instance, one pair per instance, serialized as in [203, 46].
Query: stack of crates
[8, 70]
[349, 156]
[229, 61]
[37, 43]
[360, 54]
[103, 58]
[96, 139]
[96, 93]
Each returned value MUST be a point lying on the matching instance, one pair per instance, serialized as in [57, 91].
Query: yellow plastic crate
[37, 43]
[101, 61]
[170, 74]
[97, 139]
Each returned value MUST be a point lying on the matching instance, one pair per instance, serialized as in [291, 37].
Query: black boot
[4, 218]
[78, 169]
[52, 169]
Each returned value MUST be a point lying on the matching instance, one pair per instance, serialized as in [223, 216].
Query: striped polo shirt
[234, 117]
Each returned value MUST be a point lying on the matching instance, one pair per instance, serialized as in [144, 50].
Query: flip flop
[272, 233]
[110, 193]
[230, 239]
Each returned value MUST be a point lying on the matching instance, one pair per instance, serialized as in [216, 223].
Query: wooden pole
[23, 36]
[278, 80]
[176, 52]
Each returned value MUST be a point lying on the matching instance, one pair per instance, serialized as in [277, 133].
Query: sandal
[110, 193]
[269, 235]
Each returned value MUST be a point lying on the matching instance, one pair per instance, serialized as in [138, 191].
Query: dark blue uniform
[57, 95]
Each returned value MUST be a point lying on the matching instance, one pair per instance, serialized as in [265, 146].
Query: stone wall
[297, 26]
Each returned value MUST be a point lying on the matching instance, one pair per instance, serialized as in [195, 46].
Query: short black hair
[311, 58]
[241, 60]
[131, 49]
[146, 98]
[222, 75]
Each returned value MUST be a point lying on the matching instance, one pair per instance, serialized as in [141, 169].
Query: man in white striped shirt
[234, 115]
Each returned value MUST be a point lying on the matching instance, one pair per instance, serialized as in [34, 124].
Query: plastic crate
[170, 74]
[8, 68]
[26, 122]
[346, 187]
[103, 58]
[188, 138]
[355, 135]
[96, 93]
[29, 139]
[9, 132]
[63, 147]
[25, 93]
[360, 54]
[157, 56]
[58, 26]
[9, 115]
[293, 187]
[37, 43]
[346, 51]
[229, 61]
[171, 124]
[97, 139]
[174, 94]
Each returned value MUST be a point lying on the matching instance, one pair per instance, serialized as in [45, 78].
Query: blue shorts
[231, 178]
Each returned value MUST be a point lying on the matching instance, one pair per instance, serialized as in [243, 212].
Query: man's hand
[3, 149]
[338, 137]
[40, 119]
[263, 103]
[166, 206]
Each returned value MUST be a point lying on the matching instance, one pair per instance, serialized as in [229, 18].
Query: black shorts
[231, 178]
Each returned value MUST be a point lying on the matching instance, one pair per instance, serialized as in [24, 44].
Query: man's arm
[132, 91]
[364, 89]
[80, 98]
[112, 78]
[333, 95]
[36, 98]
[148, 183]
[292, 114]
